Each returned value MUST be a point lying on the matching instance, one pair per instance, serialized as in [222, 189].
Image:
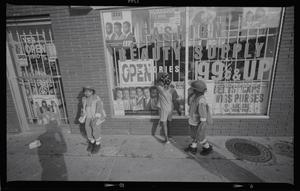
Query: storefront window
[141, 43]
[232, 49]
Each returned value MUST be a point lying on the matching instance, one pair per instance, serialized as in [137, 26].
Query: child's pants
[92, 130]
[197, 133]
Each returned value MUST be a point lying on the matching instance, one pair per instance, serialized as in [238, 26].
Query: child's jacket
[199, 111]
[93, 109]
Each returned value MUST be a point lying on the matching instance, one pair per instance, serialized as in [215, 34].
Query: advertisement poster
[118, 28]
[136, 73]
[261, 17]
[203, 25]
[47, 98]
[45, 107]
[143, 100]
[240, 98]
[237, 98]
[21, 57]
[166, 20]
[249, 70]
[141, 26]
[51, 52]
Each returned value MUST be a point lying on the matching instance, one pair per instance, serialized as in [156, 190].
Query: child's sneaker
[191, 149]
[206, 151]
[96, 148]
[90, 146]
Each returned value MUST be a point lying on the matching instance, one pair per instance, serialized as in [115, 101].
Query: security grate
[37, 69]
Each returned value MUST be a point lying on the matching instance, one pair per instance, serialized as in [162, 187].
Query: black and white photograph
[189, 94]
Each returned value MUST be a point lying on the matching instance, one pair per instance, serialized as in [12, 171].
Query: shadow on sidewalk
[224, 167]
[214, 163]
[51, 153]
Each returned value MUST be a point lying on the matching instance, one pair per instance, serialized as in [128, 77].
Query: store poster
[166, 20]
[51, 52]
[136, 73]
[45, 106]
[21, 57]
[19, 54]
[236, 98]
[261, 17]
[118, 28]
[240, 98]
[203, 25]
[167, 24]
[238, 93]
[144, 100]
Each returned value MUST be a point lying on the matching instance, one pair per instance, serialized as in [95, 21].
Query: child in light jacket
[93, 115]
[199, 117]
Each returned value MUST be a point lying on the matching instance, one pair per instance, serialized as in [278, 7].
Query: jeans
[92, 130]
[197, 133]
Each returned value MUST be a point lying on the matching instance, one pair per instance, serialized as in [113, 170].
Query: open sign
[136, 73]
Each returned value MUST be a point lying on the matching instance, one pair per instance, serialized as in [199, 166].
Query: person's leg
[97, 137]
[169, 122]
[165, 128]
[163, 123]
[168, 128]
[88, 130]
[194, 137]
[193, 146]
[97, 133]
[89, 135]
[201, 137]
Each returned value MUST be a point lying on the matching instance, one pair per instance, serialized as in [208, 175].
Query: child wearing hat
[165, 102]
[199, 115]
[93, 115]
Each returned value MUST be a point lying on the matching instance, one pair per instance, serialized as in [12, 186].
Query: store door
[36, 68]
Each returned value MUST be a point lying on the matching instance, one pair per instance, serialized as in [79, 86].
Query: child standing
[165, 102]
[93, 115]
[199, 115]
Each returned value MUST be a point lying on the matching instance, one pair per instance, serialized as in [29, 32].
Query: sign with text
[237, 98]
[136, 73]
[240, 98]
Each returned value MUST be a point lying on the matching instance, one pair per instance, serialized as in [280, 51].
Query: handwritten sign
[239, 98]
[136, 73]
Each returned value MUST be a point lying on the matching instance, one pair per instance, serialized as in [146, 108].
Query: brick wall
[12, 123]
[79, 42]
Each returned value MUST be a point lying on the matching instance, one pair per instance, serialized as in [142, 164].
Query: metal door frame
[16, 95]
[54, 75]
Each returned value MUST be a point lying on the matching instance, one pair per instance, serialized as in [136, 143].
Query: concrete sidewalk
[63, 156]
